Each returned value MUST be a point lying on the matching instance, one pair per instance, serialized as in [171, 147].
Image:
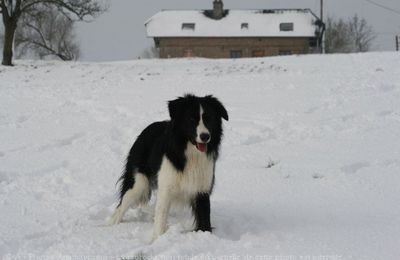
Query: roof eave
[239, 36]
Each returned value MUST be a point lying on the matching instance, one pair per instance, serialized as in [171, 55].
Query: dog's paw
[116, 218]
[157, 233]
[154, 237]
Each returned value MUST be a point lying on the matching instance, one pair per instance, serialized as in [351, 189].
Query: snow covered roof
[260, 23]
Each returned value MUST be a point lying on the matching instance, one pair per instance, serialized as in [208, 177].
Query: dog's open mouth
[202, 147]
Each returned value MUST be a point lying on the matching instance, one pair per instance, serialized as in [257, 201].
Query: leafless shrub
[150, 53]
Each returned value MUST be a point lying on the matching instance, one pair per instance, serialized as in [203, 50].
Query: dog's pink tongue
[202, 147]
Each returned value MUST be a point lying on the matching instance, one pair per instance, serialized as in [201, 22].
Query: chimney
[218, 10]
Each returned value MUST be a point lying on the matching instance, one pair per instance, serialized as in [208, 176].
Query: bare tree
[362, 34]
[353, 35]
[12, 11]
[150, 53]
[337, 38]
[44, 32]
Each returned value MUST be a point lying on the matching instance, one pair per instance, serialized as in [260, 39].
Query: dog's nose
[204, 137]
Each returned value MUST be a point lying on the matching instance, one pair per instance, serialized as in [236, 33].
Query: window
[286, 27]
[188, 26]
[236, 54]
[285, 52]
[244, 26]
[258, 53]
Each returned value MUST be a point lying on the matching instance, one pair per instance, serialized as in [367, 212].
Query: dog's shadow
[229, 220]
[177, 216]
[140, 214]
[232, 222]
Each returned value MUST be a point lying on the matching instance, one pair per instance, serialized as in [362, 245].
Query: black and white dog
[177, 157]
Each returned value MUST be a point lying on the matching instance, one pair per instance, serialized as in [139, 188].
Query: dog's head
[198, 120]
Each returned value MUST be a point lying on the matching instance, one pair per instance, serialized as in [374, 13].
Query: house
[220, 33]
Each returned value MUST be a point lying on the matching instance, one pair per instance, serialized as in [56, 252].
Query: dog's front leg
[161, 215]
[201, 212]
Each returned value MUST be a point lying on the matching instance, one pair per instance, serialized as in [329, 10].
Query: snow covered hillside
[309, 167]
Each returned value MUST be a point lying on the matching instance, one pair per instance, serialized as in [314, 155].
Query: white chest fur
[196, 177]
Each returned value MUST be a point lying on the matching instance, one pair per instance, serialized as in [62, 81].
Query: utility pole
[322, 20]
[322, 10]
[397, 43]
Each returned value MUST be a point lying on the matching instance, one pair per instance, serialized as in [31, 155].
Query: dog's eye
[192, 119]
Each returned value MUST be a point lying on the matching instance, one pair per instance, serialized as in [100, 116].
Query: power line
[383, 6]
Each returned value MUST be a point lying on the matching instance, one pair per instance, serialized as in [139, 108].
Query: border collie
[176, 157]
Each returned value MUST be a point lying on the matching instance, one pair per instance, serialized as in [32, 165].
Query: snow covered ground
[309, 167]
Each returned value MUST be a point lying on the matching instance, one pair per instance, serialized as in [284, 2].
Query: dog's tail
[134, 163]
[134, 189]
[127, 179]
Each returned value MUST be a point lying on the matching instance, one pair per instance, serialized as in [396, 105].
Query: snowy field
[309, 167]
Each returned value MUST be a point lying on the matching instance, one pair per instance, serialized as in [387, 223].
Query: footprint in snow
[387, 88]
[312, 110]
[317, 176]
[354, 167]
[22, 119]
[5, 177]
[62, 142]
[51, 168]
[253, 140]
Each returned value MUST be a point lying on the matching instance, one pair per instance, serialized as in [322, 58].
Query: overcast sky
[120, 34]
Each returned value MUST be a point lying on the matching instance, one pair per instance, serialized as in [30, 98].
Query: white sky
[119, 34]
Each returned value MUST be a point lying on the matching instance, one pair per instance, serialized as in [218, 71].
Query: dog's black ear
[175, 106]
[218, 106]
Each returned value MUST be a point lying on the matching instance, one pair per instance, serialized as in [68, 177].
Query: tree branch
[38, 31]
[17, 11]
[4, 10]
[79, 8]
[45, 47]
